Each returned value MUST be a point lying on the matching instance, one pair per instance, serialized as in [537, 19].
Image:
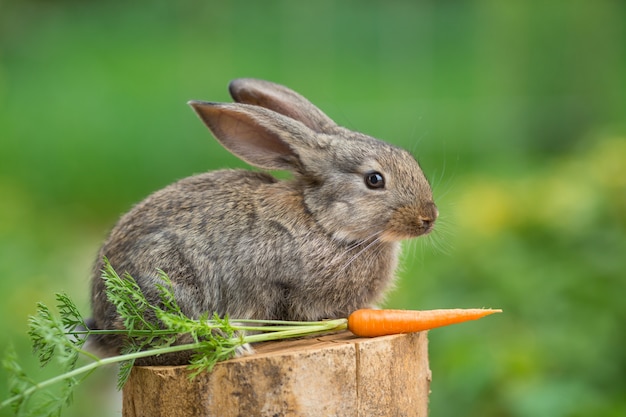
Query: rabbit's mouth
[409, 222]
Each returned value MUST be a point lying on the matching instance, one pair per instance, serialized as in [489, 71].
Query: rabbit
[316, 246]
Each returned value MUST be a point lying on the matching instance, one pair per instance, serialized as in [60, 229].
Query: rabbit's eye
[374, 180]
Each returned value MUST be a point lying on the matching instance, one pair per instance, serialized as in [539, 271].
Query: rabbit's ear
[258, 136]
[281, 100]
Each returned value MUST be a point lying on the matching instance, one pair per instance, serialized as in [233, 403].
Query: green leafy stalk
[62, 339]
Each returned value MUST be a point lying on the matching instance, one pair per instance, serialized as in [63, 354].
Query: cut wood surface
[334, 375]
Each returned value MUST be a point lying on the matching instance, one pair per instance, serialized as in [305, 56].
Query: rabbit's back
[184, 229]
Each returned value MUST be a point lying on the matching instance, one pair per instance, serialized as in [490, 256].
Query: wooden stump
[334, 375]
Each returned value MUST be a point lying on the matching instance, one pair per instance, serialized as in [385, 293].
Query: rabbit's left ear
[260, 137]
[281, 100]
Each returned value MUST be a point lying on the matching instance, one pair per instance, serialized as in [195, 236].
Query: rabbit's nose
[428, 217]
[426, 224]
[411, 221]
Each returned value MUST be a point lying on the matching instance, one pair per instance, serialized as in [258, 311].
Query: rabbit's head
[354, 186]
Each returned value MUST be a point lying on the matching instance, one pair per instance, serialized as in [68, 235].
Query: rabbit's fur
[242, 243]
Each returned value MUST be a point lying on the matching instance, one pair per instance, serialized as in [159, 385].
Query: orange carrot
[371, 323]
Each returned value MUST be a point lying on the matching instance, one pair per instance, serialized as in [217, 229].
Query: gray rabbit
[319, 245]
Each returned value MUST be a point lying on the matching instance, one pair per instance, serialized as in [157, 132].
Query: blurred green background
[516, 111]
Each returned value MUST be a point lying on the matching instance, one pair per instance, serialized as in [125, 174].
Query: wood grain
[334, 375]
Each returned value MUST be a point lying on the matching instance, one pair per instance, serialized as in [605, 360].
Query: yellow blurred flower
[566, 196]
[485, 207]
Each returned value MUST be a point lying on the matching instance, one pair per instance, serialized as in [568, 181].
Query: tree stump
[333, 375]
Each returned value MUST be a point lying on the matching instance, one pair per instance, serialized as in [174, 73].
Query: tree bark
[334, 375]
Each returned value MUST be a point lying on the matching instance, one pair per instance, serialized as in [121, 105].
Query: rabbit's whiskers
[364, 245]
